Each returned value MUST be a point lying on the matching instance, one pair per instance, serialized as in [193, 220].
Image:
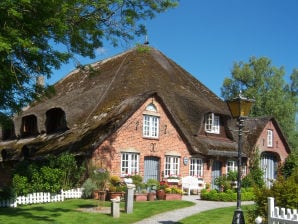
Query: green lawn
[67, 212]
[216, 216]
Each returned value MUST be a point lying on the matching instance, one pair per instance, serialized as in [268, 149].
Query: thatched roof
[99, 98]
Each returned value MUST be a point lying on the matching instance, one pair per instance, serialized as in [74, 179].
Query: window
[196, 167]
[172, 166]
[269, 138]
[233, 167]
[212, 123]
[129, 164]
[151, 122]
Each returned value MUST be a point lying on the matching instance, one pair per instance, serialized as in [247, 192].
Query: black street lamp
[240, 108]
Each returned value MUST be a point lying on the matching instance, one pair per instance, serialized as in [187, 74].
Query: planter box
[140, 197]
[173, 196]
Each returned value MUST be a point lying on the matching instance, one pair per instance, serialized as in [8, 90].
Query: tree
[37, 36]
[260, 80]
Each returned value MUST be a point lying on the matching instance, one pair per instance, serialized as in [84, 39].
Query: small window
[151, 122]
[129, 164]
[196, 167]
[269, 138]
[172, 166]
[232, 166]
[212, 123]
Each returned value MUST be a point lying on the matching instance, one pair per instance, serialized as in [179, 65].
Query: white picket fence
[42, 197]
[278, 215]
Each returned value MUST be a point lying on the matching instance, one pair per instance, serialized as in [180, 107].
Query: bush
[49, 175]
[283, 190]
[229, 195]
[88, 187]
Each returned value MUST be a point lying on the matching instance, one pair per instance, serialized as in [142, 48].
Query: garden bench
[192, 183]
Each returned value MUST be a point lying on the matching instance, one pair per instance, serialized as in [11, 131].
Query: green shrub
[49, 175]
[21, 185]
[229, 195]
[88, 187]
[283, 190]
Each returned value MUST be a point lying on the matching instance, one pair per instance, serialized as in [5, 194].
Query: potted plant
[173, 193]
[116, 187]
[151, 188]
[160, 192]
[96, 184]
[140, 191]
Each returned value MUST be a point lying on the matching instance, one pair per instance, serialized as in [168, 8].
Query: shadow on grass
[38, 213]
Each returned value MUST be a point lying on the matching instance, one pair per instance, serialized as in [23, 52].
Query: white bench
[192, 183]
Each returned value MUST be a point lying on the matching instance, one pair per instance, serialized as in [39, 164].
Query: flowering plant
[162, 185]
[173, 190]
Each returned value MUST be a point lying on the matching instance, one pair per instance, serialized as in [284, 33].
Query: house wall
[129, 138]
[278, 145]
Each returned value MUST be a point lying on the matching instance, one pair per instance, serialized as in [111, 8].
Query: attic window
[29, 126]
[151, 122]
[269, 138]
[212, 123]
[151, 107]
[56, 121]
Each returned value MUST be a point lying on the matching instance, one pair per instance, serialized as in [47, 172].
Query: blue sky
[206, 37]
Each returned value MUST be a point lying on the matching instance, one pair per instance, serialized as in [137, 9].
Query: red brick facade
[278, 146]
[129, 138]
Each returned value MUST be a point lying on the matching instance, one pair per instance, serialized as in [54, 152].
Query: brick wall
[278, 147]
[129, 138]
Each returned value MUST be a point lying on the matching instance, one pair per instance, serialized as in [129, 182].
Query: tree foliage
[37, 36]
[260, 80]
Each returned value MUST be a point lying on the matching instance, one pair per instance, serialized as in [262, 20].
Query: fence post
[270, 209]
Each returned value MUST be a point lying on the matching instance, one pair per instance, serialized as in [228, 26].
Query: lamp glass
[240, 107]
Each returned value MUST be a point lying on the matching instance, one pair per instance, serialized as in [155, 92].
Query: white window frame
[129, 163]
[270, 138]
[196, 167]
[212, 123]
[150, 126]
[172, 166]
[233, 166]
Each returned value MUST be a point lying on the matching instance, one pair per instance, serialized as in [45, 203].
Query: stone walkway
[174, 216]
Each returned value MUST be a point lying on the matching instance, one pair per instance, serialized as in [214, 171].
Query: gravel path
[178, 214]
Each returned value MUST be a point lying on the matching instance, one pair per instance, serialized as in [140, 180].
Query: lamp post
[239, 107]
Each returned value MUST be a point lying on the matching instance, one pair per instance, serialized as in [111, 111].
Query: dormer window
[151, 122]
[212, 123]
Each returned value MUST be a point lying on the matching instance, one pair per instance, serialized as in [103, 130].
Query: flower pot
[160, 194]
[113, 195]
[140, 197]
[150, 196]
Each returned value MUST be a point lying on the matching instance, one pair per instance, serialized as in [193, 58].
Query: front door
[151, 168]
[216, 172]
[269, 167]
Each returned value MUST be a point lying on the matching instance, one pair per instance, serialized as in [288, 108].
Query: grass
[215, 216]
[67, 212]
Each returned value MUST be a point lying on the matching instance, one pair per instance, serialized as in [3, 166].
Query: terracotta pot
[160, 194]
[113, 195]
[150, 196]
[173, 196]
[140, 197]
[99, 195]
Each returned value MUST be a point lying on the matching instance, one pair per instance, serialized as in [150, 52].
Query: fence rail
[278, 215]
[42, 197]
